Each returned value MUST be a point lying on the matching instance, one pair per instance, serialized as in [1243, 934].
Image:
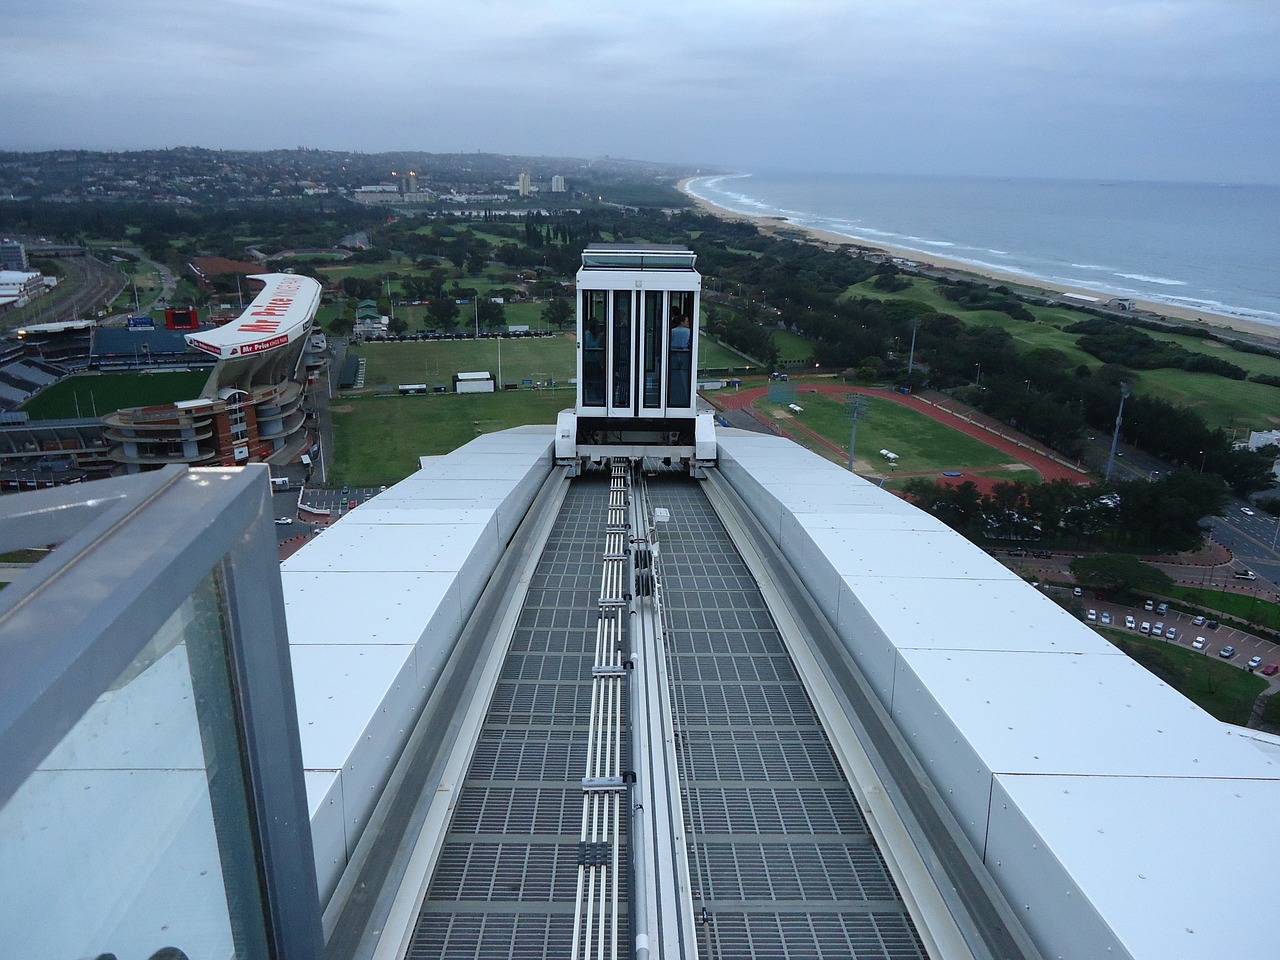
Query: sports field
[94, 394]
[379, 439]
[436, 361]
[923, 445]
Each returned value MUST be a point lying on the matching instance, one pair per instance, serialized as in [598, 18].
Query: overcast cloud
[1180, 89]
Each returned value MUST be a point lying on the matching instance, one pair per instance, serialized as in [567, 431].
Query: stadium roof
[279, 315]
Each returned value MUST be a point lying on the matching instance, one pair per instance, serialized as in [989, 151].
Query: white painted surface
[374, 605]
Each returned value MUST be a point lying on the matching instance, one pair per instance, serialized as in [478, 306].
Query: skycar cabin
[638, 321]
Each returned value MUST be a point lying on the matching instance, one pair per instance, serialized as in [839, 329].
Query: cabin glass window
[680, 341]
[595, 307]
[653, 332]
[621, 346]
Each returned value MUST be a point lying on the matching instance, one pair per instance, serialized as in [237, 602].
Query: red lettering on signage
[261, 326]
[264, 344]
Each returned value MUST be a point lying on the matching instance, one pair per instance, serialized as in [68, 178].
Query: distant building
[557, 184]
[13, 256]
[525, 185]
[20, 286]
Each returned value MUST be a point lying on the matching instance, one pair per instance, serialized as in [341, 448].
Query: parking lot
[1216, 638]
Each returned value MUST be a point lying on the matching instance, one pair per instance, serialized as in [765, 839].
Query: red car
[1270, 669]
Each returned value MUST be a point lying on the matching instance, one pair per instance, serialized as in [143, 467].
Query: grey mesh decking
[781, 858]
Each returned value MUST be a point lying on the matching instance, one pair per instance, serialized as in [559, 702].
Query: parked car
[1212, 624]
[1198, 643]
[1198, 622]
[1149, 606]
[1129, 622]
[1158, 629]
[1077, 592]
[1091, 615]
[1255, 663]
[1171, 633]
[1271, 669]
[1227, 652]
[1106, 618]
[283, 521]
[1145, 628]
[1162, 609]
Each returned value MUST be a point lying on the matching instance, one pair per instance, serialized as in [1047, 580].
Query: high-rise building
[13, 255]
[526, 185]
[557, 184]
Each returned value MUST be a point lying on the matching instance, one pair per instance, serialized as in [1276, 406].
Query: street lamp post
[1115, 436]
[977, 380]
[857, 407]
[911, 357]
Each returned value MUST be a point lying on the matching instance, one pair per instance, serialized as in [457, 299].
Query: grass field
[1230, 404]
[1245, 607]
[433, 362]
[378, 439]
[1224, 691]
[91, 394]
[792, 346]
[922, 444]
[716, 356]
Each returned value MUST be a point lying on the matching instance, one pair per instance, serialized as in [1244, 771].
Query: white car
[1091, 615]
[1171, 633]
[283, 521]
[1145, 628]
[1246, 511]
[1158, 630]
[1130, 623]
[1198, 622]
[1198, 643]
[1106, 618]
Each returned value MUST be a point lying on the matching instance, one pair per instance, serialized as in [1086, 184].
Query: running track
[1048, 469]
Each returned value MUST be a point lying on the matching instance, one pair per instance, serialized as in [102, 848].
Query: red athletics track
[1048, 468]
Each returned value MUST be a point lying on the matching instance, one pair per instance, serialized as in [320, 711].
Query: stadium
[251, 408]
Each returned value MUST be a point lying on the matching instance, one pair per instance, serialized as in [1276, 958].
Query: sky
[1133, 89]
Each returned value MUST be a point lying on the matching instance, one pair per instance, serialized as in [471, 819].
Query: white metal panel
[328, 827]
[1123, 720]
[997, 613]
[387, 548]
[392, 608]
[1174, 867]
[355, 708]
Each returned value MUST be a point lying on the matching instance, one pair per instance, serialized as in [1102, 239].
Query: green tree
[443, 313]
[558, 313]
[491, 315]
[1119, 574]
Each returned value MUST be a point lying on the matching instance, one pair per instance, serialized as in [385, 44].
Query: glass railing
[142, 788]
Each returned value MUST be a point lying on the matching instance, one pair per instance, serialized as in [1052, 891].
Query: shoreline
[1147, 309]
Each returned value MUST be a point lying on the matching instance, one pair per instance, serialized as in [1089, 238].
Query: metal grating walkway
[781, 860]
[505, 881]
[783, 864]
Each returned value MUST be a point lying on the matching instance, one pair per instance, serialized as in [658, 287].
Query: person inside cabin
[681, 361]
[593, 365]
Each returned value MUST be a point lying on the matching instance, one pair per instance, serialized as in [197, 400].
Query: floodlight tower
[1115, 436]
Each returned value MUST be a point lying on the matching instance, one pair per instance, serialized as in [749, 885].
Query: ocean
[1210, 247]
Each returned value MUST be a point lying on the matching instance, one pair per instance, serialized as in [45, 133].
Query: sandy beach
[1194, 318]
